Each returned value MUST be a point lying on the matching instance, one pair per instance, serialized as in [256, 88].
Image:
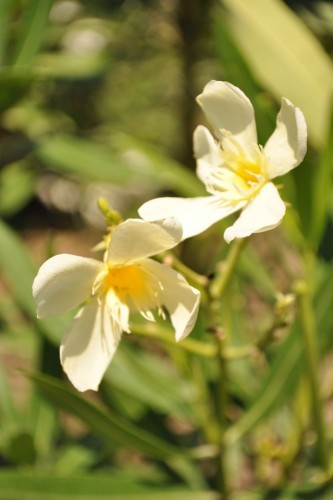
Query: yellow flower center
[130, 285]
[247, 170]
[239, 177]
[126, 282]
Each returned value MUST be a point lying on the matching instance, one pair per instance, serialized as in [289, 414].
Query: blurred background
[97, 99]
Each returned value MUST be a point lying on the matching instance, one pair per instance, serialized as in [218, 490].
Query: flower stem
[311, 358]
[157, 332]
[222, 402]
[221, 281]
[215, 291]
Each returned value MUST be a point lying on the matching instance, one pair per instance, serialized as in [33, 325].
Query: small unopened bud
[112, 217]
[284, 307]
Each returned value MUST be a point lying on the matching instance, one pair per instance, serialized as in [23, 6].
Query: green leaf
[4, 24]
[21, 449]
[163, 171]
[74, 458]
[286, 369]
[26, 486]
[285, 57]
[10, 419]
[104, 423]
[237, 71]
[17, 186]
[69, 66]
[89, 161]
[282, 378]
[321, 191]
[32, 32]
[19, 271]
[135, 374]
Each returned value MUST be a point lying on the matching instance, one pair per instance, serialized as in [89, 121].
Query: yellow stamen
[127, 282]
[130, 285]
[239, 177]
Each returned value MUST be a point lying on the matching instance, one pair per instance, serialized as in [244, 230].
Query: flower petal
[63, 282]
[229, 109]
[194, 214]
[207, 153]
[89, 346]
[136, 239]
[180, 299]
[261, 214]
[286, 147]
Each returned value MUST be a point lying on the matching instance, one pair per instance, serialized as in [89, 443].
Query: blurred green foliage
[98, 99]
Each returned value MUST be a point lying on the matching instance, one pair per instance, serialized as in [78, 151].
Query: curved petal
[261, 214]
[286, 147]
[89, 346]
[207, 153]
[136, 239]
[180, 299]
[63, 282]
[229, 109]
[194, 214]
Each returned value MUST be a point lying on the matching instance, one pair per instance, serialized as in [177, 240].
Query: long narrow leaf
[4, 25]
[19, 271]
[32, 32]
[104, 423]
[286, 58]
[87, 160]
[322, 186]
[25, 486]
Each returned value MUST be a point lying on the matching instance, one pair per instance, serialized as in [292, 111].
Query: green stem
[196, 278]
[215, 291]
[222, 402]
[159, 333]
[311, 358]
[221, 281]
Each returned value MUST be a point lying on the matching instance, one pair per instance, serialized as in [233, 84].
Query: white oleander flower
[236, 171]
[127, 280]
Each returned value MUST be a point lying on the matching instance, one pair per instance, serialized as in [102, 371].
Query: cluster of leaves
[89, 96]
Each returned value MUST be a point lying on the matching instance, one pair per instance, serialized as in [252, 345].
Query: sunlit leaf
[285, 57]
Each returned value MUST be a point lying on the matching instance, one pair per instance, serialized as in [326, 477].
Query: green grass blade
[32, 32]
[4, 25]
[26, 486]
[107, 425]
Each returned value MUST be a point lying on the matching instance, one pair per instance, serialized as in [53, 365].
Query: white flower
[127, 280]
[236, 171]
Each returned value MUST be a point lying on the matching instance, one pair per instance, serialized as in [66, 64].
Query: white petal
[228, 108]
[63, 282]
[207, 153]
[89, 346]
[261, 214]
[286, 147]
[180, 299]
[136, 239]
[194, 214]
